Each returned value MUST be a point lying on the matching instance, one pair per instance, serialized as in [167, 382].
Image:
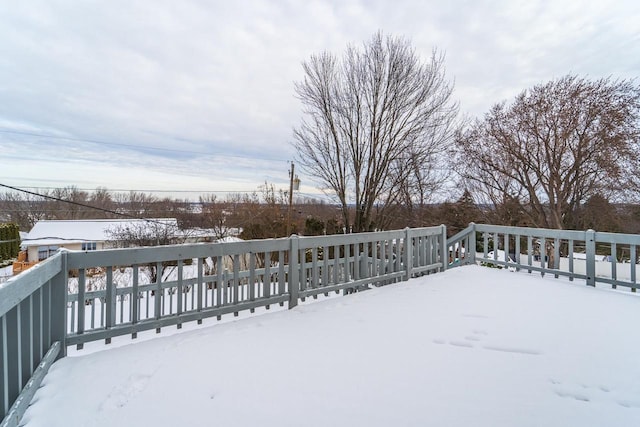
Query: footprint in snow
[587, 393]
[120, 395]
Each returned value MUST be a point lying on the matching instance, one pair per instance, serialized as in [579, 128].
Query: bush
[9, 241]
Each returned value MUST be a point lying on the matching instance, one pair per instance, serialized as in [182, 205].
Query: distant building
[46, 237]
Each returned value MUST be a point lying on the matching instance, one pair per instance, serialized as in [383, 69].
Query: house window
[45, 252]
[89, 246]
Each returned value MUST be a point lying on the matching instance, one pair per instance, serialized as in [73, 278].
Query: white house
[48, 236]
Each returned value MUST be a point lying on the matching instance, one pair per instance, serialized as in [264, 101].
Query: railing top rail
[527, 231]
[145, 255]
[342, 239]
[628, 239]
[437, 229]
[19, 287]
[459, 235]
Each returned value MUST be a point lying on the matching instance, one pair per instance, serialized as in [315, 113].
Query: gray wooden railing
[32, 333]
[77, 297]
[596, 257]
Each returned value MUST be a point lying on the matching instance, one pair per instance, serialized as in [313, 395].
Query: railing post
[408, 254]
[472, 245]
[444, 250]
[590, 242]
[294, 269]
[59, 307]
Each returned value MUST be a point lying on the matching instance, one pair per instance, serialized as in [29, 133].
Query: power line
[122, 214]
[128, 190]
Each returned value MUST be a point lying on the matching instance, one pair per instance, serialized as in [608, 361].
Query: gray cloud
[217, 77]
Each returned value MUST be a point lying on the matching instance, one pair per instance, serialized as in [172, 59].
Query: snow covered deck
[473, 346]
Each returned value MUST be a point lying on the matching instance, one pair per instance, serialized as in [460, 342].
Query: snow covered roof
[59, 232]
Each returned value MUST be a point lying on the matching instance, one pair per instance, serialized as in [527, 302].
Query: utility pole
[294, 184]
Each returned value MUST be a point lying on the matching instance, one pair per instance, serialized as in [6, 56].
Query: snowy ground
[471, 347]
[5, 273]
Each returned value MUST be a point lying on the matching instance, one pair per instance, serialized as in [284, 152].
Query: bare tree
[215, 216]
[23, 209]
[147, 233]
[555, 146]
[102, 199]
[368, 116]
[136, 204]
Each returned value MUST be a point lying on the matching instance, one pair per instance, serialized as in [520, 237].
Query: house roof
[54, 232]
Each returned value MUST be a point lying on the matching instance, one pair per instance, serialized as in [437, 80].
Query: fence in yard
[77, 297]
[598, 258]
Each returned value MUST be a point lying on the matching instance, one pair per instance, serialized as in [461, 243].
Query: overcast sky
[199, 95]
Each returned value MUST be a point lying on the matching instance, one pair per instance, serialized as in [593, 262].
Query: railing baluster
[614, 263]
[32, 334]
[158, 295]
[543, 255]
[4, 391]
[590, 243]
[38, 350]
[336, 264]
[24, 321]
[135, 300]
[236, 280]
[11, 355]
[200, 287]
[347, 262]
[325, 266]
[506, 248]
[314, 268]
[281, 274]
[293, 282]
[408, 255]
[382, 266]
[632, 267]
[82, 283]
[220, 283]
[147, 299]
[556, 255]
[121, 300]
[179, 290]
[517, 250]
[252, 279]
[485, 237]
[356, 261]
[266, 278]
[529, 250]
[110, 302]
[571, 267]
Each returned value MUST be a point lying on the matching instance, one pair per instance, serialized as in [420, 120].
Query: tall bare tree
[375, 120]
[555, 146]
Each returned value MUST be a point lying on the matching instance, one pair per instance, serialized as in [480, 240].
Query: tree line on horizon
[263, 214]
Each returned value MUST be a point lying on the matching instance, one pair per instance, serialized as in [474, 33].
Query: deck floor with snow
[470, 347]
